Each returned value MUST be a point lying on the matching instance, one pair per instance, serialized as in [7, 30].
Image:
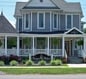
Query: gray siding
[62, 22]
[76, 21]
[47, 21]
[34, 23]
[20, 24]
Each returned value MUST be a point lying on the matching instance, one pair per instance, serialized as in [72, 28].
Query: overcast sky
[8, 8]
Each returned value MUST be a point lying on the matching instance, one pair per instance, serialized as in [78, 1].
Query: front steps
[75, 60]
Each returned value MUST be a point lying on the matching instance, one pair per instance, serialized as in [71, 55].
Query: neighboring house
[47, 29]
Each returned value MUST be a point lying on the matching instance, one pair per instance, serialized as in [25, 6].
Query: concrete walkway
[80, 76]
[77, 65]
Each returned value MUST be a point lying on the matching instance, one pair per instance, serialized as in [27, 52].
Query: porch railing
[57, 52]
[2, 52]
[40, 51]
[25, 52]
[11, 52]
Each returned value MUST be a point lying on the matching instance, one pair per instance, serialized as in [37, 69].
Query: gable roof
[74, 30]
[5, 26]
[62, 4]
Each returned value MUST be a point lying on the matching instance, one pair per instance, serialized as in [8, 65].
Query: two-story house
[49, 29]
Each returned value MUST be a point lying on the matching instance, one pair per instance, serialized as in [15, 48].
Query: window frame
[56, 21]
[38, 26]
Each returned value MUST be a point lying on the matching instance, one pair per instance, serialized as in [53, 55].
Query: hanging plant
[80, 42]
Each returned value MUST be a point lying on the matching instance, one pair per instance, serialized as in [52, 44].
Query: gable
[74, 31]
[38, 3]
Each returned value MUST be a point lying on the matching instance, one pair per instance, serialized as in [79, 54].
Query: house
[46, 29]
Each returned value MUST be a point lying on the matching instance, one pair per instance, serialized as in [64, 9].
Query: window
[41, 20]
[69, 22]
[41, 0]
[55, 21]
[27, 20]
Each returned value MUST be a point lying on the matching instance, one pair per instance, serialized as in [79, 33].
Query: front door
[68, 47]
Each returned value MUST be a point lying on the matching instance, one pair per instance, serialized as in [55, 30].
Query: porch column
[6, 45]
[48, 45]
[85, 44]
[63, 46]
[33, 45]
[17, 45]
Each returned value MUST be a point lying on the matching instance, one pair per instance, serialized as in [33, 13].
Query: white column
[85, 44]
[63, 46]
[17, 45]
[48, 45]
[33, 45]
[6, 45]
[52, 57]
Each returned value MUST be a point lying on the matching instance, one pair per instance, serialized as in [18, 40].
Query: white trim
[73, 29]
[43, 20]
[17, 45]
[63, 46]
[33, 45]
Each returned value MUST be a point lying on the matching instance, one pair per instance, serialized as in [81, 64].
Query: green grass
[43, 70]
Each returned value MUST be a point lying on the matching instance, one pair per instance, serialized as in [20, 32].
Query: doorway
[68, 47]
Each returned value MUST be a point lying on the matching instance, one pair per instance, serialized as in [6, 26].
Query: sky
[8, 8]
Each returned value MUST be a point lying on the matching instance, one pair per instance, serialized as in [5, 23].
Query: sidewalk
[77, 65]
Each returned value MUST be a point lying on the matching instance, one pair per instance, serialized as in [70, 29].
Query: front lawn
[43, 70]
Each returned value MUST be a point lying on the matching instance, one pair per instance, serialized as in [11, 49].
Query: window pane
[41, 20]
[55, 20]
[68, 21]
[26, 20]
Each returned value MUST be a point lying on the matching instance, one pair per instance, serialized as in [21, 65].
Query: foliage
[80, 42]
[12, 42]
[29, 63]
[27, 41]
[2, 63]
[13, 63]
[56, 62]
[42, 63]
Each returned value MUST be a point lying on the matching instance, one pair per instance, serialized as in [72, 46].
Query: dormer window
[41, 0]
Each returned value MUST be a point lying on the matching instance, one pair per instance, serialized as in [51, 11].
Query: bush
[2, 63]
[56, 62]
[53, 63]
[13, 63]
[42, 63]
[29, 63]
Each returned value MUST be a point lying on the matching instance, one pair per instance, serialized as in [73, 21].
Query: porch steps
[75, 60]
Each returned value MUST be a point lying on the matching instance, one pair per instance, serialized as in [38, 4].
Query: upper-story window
[26, 21]
[41, 0]
[69, 21]
[55, 21]
[41, 24]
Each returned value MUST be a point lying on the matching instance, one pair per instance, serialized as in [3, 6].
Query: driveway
[80, 76]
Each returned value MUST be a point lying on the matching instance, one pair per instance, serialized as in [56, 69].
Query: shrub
[42, 63]
[56, 62]
[53, 63]
[29, 63]
[2, 63]
[13, 63]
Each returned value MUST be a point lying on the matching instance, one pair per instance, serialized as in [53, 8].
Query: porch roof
[53, 32]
